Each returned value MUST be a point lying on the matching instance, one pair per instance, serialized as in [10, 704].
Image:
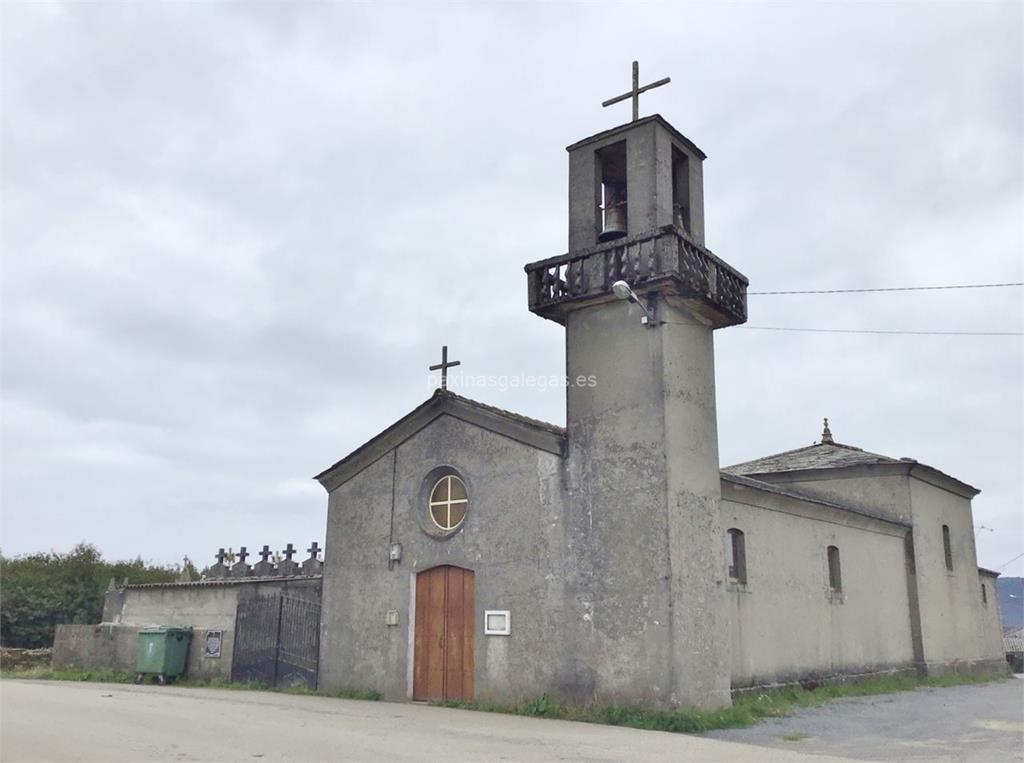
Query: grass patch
[747, 708]
[222, 683]
[370, 695]
[69, 674]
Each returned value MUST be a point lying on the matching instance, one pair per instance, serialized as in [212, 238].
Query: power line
[891, 288]
[870, 331]
[1010, 562]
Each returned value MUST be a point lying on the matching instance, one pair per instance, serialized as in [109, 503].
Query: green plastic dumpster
[162, 653]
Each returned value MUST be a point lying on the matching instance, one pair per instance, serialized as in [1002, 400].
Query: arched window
[448, 502]
[947, 547]
[835, 575]
[736, 556]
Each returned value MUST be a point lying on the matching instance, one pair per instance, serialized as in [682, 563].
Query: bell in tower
[614, 194]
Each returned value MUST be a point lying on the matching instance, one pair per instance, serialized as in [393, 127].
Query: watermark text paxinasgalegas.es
[504, 382]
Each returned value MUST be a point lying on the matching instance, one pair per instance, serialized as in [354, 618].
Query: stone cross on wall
[288, 567]
[240, 569]
[263, 568]
[313, 566]
[219, 570]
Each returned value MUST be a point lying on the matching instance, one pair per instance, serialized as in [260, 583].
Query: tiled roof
[818, 456]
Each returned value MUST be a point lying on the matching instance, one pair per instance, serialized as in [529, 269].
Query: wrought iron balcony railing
[664, 260]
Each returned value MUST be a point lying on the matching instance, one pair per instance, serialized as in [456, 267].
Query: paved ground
[963, 723]
[54, 721]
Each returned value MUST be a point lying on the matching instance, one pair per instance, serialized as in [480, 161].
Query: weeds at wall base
[747, 708]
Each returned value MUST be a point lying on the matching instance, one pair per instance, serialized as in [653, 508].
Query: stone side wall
[951, 621]
[785, 624]
[110, 646]
[200, 606]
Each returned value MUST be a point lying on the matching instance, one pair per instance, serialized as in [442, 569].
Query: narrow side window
[984, 594]
[947, 547]
[736, 556]
[835, 575]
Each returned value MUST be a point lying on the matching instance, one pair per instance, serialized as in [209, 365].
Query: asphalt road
[54, 721]
[981, 724]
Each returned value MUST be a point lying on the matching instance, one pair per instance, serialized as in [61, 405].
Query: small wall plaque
[212, 644]
[391, 618]
[497, 622]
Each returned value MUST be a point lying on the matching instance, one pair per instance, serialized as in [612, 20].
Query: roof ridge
[501, 411]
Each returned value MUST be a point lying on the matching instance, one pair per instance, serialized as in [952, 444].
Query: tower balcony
[665, 260]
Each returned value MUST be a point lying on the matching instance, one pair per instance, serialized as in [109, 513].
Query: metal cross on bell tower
[444, 365]
[635, 92]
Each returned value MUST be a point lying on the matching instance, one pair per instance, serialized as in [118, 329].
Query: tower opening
[614, 203]
[680, 190]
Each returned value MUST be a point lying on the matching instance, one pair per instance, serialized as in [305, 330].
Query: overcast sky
[235, 236]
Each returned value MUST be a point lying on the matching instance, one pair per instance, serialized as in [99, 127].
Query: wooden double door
[443, 645]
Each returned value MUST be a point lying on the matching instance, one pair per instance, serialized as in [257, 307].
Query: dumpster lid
[166, 629]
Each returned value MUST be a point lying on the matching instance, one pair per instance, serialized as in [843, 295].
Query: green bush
[41, 591]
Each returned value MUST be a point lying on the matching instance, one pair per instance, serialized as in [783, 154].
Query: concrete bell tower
[645, 571]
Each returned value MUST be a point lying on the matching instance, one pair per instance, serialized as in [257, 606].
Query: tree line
[43, 590]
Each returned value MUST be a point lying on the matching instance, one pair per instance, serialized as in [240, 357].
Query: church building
[474, 553]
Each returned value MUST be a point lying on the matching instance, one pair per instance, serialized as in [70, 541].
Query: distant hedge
[40, 591]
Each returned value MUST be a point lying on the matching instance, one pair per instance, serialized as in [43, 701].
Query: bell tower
[640, 296]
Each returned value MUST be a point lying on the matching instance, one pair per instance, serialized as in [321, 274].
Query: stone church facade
[473, 553]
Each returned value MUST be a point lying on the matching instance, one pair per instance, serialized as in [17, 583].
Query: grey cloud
[236, 235]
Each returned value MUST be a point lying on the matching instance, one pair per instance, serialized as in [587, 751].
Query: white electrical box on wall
[497, 622]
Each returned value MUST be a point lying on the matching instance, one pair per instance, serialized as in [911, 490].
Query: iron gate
[277, 641]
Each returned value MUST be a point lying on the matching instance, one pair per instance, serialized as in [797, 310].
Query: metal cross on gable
[635, 92]
[242, 554]
[221, 556]
[265, 553]
[314, 550]
[289, 551]
[444, 365]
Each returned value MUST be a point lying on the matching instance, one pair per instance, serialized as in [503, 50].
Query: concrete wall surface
[110, 646]
[950, 621]
[883, 491]
[952, 630]
[785, 622]
[188, 606]
[991, 619]
[643, 508]
[512, 539]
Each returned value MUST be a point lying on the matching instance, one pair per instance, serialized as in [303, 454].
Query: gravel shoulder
[977, 723]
